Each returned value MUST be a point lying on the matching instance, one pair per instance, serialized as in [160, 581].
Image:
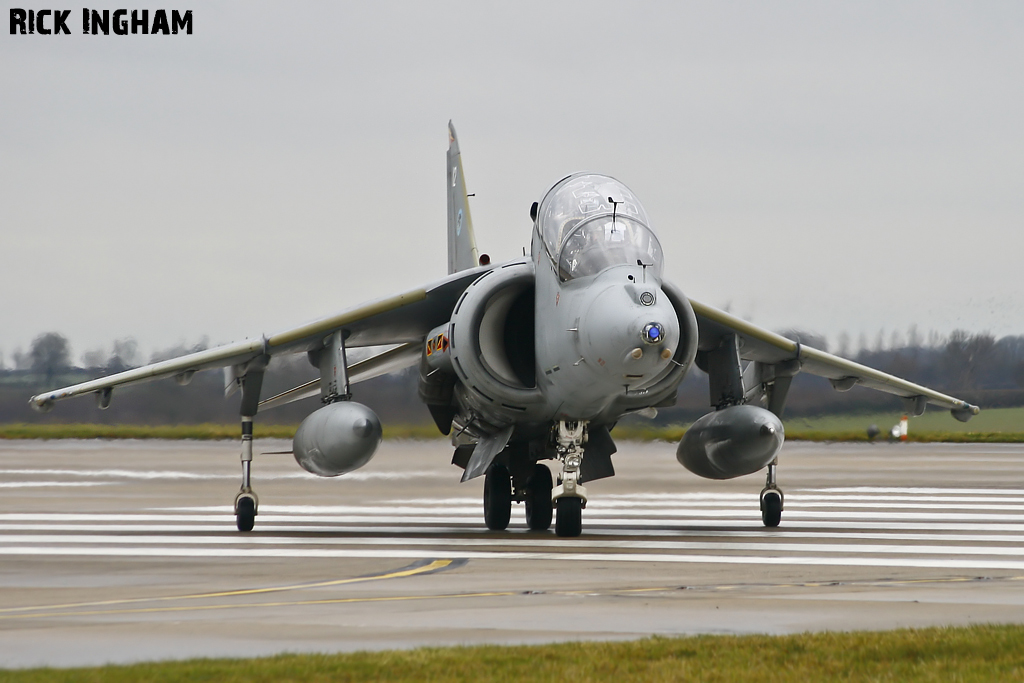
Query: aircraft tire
[539, 508]
[771, 508]
[246, 515]
[497, 498]
[569, 518]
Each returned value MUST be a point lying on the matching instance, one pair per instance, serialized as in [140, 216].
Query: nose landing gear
[569, 496]
[246, 502]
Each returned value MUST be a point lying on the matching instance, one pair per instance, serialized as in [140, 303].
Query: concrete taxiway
[126, 550]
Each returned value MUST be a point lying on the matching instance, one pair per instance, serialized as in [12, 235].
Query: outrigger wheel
[771, 498]
[498, 497]
[245, 513]
[771, 507]
[538, 499]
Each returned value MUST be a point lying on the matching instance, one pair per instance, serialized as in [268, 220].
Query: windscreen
[589, 222]
[603, 242]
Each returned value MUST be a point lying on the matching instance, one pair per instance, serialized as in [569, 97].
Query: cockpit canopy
[589, 222]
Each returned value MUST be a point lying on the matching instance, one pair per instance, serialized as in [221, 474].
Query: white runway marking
[169, 475]
[958, 528]
[276, 527]
[12, 541]
[416, 554]
[50, 484]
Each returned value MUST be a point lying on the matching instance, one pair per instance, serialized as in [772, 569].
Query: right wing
[403, 319]
[763, 346]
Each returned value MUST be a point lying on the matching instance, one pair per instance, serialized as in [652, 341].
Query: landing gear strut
[250, 380]
[569, 496]
[771, 498]
[246, 502]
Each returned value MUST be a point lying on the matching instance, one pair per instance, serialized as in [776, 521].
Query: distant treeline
[976, 367]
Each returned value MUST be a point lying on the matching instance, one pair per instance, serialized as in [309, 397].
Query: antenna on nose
[645, 266]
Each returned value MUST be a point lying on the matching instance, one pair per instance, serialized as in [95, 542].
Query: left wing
[771, 349]
[402, 319]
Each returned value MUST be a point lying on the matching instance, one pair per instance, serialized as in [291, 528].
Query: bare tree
[862, 343]
[180, 349]
[50, 353]
[965, 354]
[125, 354]
[21, 360]
[94, 358]
[913, 337]
[896, 339]
[844, 345]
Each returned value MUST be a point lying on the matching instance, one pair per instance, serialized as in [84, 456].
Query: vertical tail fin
[462, 251]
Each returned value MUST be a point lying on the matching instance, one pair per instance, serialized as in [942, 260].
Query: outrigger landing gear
[246, 501]
[569, 496]
[250, 379]
[771, 498]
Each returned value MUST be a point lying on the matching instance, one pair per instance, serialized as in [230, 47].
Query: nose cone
[629, 333]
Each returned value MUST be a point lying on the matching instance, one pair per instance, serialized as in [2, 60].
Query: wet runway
[121, 551]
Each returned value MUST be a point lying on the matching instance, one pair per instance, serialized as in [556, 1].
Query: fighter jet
[535, 360]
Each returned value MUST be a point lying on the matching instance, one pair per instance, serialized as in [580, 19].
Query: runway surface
[125, 551]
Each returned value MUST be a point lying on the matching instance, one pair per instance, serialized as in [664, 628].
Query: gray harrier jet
[536, 359]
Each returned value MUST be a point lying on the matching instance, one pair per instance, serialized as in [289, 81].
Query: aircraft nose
[626, 339]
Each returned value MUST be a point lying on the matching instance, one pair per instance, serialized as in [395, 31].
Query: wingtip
[41, 403]
[965, 413]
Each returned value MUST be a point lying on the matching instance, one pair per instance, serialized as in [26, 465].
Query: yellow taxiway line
[434, 566]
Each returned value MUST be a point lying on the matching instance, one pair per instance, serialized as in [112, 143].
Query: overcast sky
[829, 166]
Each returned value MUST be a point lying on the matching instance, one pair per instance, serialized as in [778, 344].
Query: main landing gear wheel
[245, 514]
[771, 507]
[569, 520]
[498, 498]
[538, 499]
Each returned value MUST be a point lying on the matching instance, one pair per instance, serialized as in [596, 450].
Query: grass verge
[974, 653]
[674, 434]
[991, 426]
[201, 432]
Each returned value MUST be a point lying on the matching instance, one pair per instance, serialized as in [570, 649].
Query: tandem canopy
[590, 222]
